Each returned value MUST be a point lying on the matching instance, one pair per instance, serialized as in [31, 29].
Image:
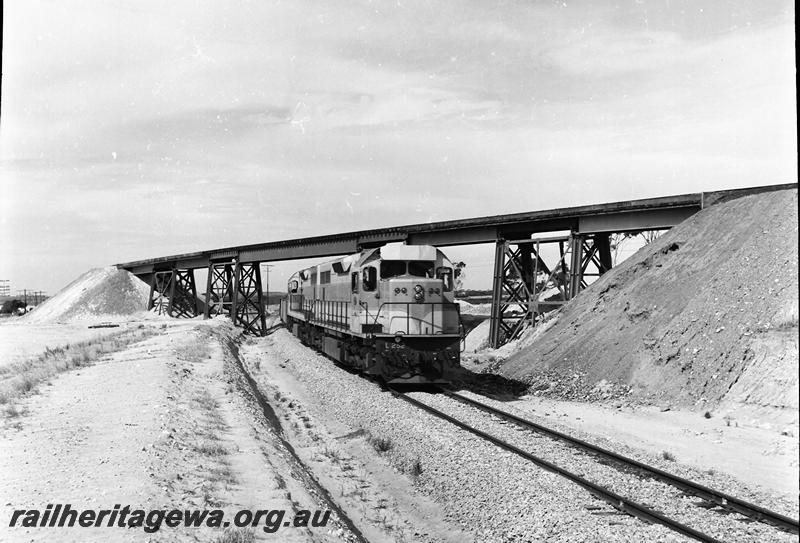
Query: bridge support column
[183, 297]
[247, 307]
[497, 332]
[576, 282]
[603, 244]
[160, 286]
[219, 289]
[173, 293]
[521, 276]
[588, 253]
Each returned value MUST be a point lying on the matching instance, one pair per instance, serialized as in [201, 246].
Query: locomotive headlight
[419, 289]
[404, 290]
[419, 293]
[397, 290]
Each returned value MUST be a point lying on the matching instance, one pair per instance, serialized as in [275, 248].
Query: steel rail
[314, 486]
[615, 500]
[716, 497]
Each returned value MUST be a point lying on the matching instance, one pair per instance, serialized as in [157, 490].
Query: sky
[131, 130]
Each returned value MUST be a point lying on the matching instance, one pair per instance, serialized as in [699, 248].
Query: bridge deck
[651, 213]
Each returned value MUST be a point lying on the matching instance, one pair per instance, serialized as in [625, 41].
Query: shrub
[381, 444]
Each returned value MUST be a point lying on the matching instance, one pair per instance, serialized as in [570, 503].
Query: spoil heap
[704, 315]
[98, 292]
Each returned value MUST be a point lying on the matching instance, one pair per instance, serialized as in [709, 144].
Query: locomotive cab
[407, 290]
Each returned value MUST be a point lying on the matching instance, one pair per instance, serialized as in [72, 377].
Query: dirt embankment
[705, 315]
[98, 292]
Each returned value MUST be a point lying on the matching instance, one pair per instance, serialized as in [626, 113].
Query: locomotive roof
[391, 251]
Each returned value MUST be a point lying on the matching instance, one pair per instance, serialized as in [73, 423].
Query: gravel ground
[490, 492]
[657, 495]
[713, 479]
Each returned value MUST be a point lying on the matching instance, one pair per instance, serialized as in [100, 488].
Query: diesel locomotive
[387, 312]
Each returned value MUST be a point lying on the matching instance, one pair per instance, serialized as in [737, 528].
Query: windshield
[414, 268]
[420, 268]
[392, 268]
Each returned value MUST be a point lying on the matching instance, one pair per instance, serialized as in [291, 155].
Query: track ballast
[627, 505]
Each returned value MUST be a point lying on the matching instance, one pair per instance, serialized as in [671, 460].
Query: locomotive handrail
[336, 314]
[331, 313]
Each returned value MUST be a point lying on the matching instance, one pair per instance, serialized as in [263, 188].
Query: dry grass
[380, 444]
[23, 378]
[212, 448]
[206, 401]
[222, 473]
[211, 440]
[412, 468]
[786, 321]
[666, 455]
[238, 535]
[333, 454]
[194, 352]
[12, 411]
[209, 406]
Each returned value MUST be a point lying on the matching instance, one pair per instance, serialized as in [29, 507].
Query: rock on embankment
[708, 312]
[99, 291]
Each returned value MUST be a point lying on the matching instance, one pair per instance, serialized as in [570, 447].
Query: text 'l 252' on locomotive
[387, 312]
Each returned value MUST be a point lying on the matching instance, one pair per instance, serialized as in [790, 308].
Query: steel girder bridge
[521, 268]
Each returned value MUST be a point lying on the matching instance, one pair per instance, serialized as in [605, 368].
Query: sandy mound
[707, 313]
[478, 337]
[98, 292]
[467, 308]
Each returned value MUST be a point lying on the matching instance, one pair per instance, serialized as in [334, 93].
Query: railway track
[301, 470]
[624, 504]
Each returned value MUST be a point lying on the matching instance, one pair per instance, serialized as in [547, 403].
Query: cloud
[250, 121]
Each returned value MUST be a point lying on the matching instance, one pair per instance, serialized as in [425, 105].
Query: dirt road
[155, 426]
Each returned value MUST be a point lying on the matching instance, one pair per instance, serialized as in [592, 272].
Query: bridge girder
[585, 253]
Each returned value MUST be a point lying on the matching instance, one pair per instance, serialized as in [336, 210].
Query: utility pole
[267, 266]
